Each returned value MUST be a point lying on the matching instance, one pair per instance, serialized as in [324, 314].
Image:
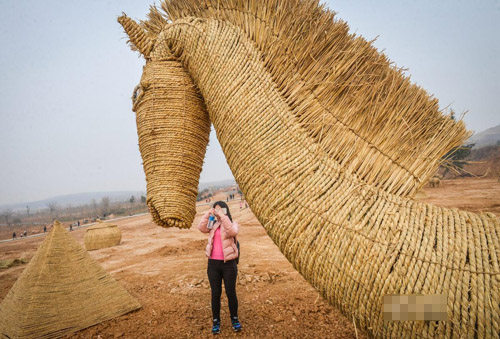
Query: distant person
[25, 233]
[227, 199]
[78, 223]
[14, 235]
[241, 205]
[222, 253]
[70, 227]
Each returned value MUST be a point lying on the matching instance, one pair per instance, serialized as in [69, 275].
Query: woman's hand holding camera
[218, 211]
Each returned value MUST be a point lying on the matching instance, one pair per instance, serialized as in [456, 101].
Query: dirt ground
[471, 194]
[165, 269]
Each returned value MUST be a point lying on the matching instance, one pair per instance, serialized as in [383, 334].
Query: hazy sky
[66, 77]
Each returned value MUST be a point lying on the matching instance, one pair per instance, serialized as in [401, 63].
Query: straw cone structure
[62, 290]
[102, 235]
[328, 143]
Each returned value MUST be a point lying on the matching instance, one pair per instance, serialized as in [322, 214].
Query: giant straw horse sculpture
[328, 142]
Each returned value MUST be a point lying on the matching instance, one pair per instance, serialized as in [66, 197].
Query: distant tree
[93, 203]
[132, 199]
[52, 206]
[143, 199]
[498, 142]
[456, 157]
[68, 211]
[206, 193]
[6, 214]
[105, 206]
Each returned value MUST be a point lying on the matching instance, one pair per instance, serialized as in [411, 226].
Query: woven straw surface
[355, 239]
[173, 130]
[102, 235]
[356, 106]
[62, 290]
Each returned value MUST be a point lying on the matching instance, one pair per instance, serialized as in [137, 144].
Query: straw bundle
[102, 235]
[335, 202]
[62, 290]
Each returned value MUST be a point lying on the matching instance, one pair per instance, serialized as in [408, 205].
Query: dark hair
[222, 204]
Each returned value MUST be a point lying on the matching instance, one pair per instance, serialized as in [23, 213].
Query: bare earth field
[471, 194]
[165, 269]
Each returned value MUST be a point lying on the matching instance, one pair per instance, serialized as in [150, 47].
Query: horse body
[353, 241]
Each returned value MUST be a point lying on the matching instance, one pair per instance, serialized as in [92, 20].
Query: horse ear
[137, 35]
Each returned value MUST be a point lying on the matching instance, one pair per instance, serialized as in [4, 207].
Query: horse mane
[350, 98]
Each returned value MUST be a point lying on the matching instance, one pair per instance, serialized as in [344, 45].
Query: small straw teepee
[62, 290]
[102, 235]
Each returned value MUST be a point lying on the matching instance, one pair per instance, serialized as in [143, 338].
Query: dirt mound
[484, 153]
[482, 162]
[188, 247]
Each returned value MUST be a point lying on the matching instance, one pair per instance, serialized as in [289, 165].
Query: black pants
[218, 270]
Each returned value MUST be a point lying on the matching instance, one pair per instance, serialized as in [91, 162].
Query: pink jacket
[228, 231]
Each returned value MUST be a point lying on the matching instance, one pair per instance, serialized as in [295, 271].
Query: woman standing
[221, 251]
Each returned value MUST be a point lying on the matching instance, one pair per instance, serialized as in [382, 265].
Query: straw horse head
[328, 142]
